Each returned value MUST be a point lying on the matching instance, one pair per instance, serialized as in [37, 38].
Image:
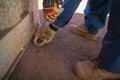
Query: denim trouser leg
[69, 8]
[95, 14]
[109, 57]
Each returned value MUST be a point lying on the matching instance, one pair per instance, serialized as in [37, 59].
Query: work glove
[51, 9]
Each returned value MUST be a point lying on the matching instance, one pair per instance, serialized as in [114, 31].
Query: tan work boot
[86, 70]
[81, 31]
[50, 33]
[82, 70]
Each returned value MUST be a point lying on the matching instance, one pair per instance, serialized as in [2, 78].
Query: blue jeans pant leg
[109, 57]
[69, 8]
[95, 14]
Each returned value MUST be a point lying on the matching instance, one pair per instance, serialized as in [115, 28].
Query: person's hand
[51, 9]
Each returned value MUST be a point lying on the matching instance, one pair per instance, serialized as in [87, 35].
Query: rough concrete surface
[54, 61]
[12, 43]
[18, 19]
[10, 13]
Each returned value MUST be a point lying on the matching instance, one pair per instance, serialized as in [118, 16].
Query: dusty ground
[54, 61]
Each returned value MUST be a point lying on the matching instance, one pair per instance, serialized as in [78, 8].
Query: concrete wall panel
[22, 16]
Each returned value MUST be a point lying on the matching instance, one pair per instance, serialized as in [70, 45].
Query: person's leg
[47, 33]
[95, 14]
[109, 57]
[69, 8]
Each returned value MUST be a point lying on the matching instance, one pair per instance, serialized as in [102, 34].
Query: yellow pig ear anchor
[40, 37]
[40, 40]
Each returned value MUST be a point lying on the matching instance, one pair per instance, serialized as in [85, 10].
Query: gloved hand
[51, 9]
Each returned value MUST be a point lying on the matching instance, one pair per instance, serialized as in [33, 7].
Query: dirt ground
[54, 61]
